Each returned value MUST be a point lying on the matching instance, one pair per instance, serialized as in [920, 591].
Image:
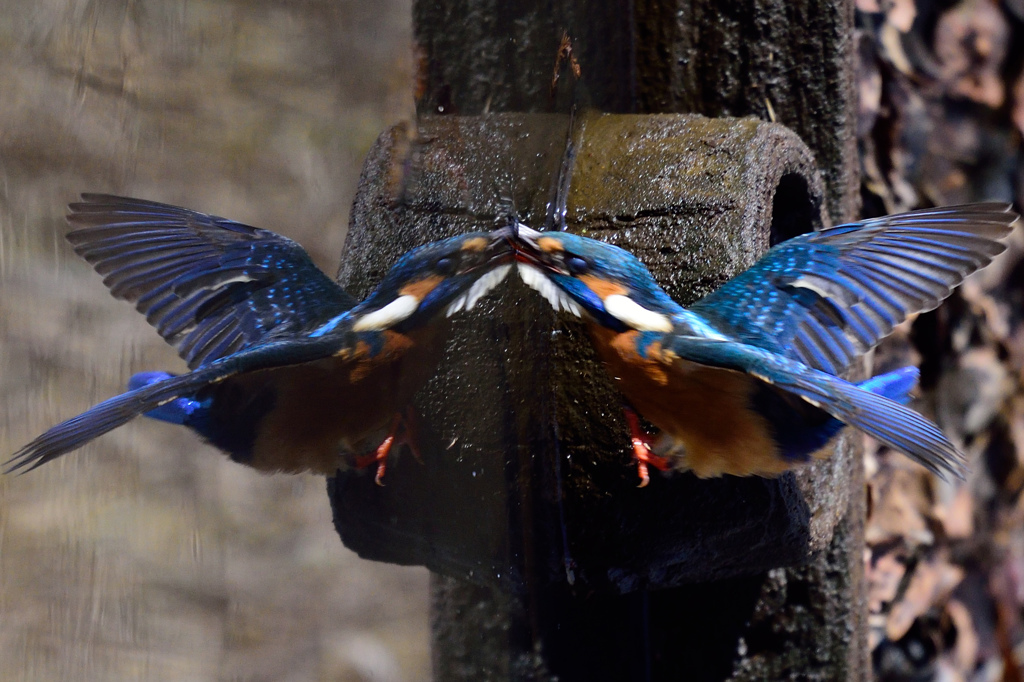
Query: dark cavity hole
[794, 212]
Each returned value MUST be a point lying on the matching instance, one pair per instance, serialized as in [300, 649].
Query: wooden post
[547, 561]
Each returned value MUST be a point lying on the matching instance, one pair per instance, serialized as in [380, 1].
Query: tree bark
[549, 562]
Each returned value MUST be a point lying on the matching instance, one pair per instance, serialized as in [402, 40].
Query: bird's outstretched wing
[119, 410]
[209, 286]
[888, 421]
[824, 298]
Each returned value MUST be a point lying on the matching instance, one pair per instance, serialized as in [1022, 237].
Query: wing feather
[208, 285]
[871, 275]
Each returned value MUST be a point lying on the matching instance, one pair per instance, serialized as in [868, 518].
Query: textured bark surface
[527, 494]
[790, 61]
[519, 380]
[784, 60]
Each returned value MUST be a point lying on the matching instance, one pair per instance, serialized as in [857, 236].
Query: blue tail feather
[877, 407]
[182, 411]
[895, 385]
[798, 439]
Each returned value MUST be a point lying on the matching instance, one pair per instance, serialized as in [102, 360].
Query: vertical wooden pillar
[789, 61]
[525, 615]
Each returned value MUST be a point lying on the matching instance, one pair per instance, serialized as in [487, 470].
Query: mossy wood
[526, 473]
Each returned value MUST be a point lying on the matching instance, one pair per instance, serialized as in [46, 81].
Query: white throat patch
[632, 314]
[480, 288]
[528, 234]
[539, 282]
[388, 316]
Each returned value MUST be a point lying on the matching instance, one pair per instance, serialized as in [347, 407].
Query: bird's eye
[445, 266]
[576, 265]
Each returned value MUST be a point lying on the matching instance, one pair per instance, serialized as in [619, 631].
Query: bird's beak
[525, 248]
[488, 251]
[501, 249]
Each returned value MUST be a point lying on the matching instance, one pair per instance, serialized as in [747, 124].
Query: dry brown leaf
[965, 651]
[933, 122]
[900, 510]
[1018, 103]
[971, 42]
[869, 84]
[957, 517]
[930, 585]
[1017, 434]
[969, 396]
[901, 14]
[884, 575]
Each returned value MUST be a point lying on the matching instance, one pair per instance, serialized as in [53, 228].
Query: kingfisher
[746, 381]
[288, 372]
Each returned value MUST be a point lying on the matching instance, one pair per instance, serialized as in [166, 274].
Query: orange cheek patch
[625, 345]
[422, 287]
[395, 346]
[475, 244]
[603, 287]
[549, 245]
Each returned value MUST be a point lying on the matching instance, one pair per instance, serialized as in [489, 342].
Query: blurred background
[148, 556]
[940, 117]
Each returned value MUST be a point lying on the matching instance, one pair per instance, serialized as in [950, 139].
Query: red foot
[380, 455]
[402, 432]
[642, 452]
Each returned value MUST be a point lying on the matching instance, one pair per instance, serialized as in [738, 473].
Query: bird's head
[447, 275]
[578, 274]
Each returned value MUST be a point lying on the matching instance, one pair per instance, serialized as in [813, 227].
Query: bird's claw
[402, 432]
[378, 457]
[645, 458]
[643, 454]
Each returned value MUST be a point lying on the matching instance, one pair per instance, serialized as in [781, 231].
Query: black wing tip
[959, 472]
[96, 214]
[91, 199]
[24, 461]
[93, 206]
[988, 212]
[945, 460]
[948, 468]
[990, 207]
[103, 198]
[91, 202]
